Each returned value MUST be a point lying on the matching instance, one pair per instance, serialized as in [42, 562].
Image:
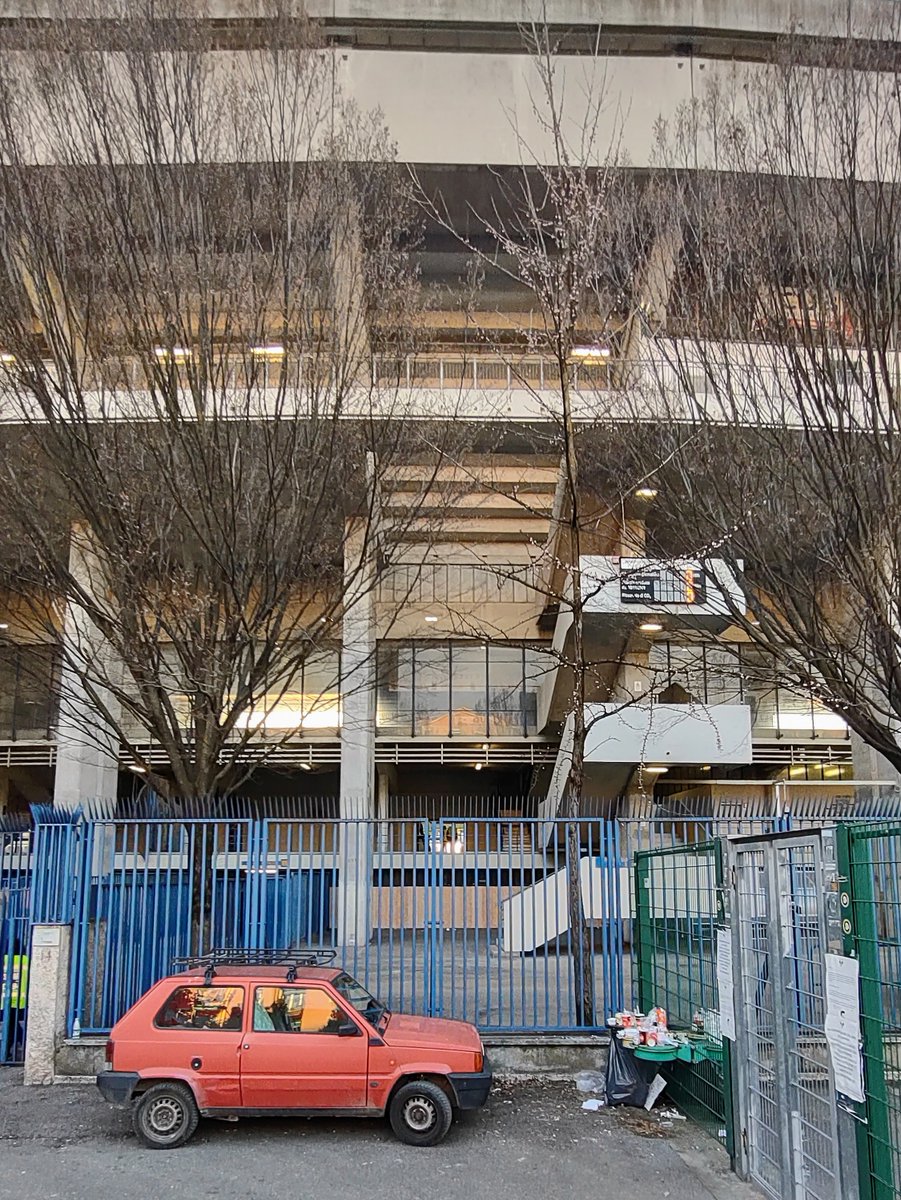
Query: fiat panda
[286, 1035]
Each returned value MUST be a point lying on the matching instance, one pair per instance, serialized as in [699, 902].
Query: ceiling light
[486, 746]
[305, 767]
[3, 625]
[178, 353]
[7, 358]
[273, 350]
[706, 768]
[138, 770]
[431, 620]
[478, 766]
[656, 770]
[591, 351]
[646, 493]
[650, 627]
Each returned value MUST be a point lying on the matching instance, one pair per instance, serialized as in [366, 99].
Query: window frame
[184, 987]
[300, 987]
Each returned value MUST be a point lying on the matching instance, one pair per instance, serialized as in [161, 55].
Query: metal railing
[445, 915]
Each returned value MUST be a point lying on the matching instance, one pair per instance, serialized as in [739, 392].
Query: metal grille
[758, 1020]
[675, 955]
[811, 1100]
[870, 860]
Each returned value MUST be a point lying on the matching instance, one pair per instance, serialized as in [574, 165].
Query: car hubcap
[165, 1115]
[419, 1113]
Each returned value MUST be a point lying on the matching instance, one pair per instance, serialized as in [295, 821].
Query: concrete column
[870, 765]
[386, 778]
[660, 268]
[48, 995]
[357, 737]
[87, 756]
[351, 345]
[4, 791]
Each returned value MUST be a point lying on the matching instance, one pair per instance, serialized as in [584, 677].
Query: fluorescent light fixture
[431, 620]
[3, 625]
[651, 627]
[178, 353]
[822, 722]
[646, 493]
[305, 767]
[591, 351]
[656, 770]
[478, 766]
[138, 770]
[272, 350]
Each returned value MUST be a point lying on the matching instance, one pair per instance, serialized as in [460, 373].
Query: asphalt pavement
[531, 1140]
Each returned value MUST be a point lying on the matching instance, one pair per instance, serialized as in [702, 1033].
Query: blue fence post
[432, 999]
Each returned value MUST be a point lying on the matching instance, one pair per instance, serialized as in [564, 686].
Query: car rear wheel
[420, 1113]
[165, 1116]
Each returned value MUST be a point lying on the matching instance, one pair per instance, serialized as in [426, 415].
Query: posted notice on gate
[725, 983]
[842, 1025]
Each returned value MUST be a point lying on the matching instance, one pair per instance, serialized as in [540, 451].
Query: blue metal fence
[16, 849]
[456, 917]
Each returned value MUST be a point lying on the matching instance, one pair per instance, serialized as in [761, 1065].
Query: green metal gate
[678, 909]
[869, 860]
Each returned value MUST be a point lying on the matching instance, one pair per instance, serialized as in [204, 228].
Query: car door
[293, 1055]
[198, 1031]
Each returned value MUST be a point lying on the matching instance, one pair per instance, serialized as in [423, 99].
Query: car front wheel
[420, 1113]
[165, 1116]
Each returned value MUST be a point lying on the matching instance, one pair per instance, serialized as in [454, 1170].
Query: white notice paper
[725, 983]
[843, 1024]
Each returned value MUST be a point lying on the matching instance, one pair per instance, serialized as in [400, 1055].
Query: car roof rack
[240, 957]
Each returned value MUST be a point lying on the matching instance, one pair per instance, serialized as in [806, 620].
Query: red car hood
[424, 1032]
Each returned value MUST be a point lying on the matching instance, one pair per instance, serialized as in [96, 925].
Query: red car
[230, 1038]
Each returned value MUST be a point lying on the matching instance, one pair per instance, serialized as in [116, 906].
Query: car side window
[202, 1008]
[296, 1010]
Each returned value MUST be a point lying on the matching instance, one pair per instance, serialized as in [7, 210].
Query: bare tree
[774, 395]
[560, 230]
[201, 252]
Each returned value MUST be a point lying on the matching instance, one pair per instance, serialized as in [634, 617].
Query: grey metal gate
[784, 920]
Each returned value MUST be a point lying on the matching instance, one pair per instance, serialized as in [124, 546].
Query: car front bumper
[117, 1086]
[471, 1089]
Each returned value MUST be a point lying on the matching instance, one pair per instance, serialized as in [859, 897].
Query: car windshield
[354, 993]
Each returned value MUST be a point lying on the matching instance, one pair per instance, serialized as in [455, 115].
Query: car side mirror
[348, 1029]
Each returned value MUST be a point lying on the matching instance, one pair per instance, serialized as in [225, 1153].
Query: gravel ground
[531, 1140]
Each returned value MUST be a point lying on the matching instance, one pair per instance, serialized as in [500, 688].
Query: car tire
[420, 1113]
[165, 1116]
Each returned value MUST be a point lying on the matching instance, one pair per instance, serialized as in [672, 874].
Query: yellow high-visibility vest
[17, 986]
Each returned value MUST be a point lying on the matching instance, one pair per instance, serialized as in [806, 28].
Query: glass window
[295, 1010]
[505, 690]
[357, 996]
[432, 691]
[468, 682]
[394, 714]
[321, 701]
[202, 1008]
[540, 666]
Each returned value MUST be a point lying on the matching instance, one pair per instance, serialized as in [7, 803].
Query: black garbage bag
[628, 1077]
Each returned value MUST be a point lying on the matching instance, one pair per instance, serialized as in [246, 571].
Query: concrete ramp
[539, 913]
